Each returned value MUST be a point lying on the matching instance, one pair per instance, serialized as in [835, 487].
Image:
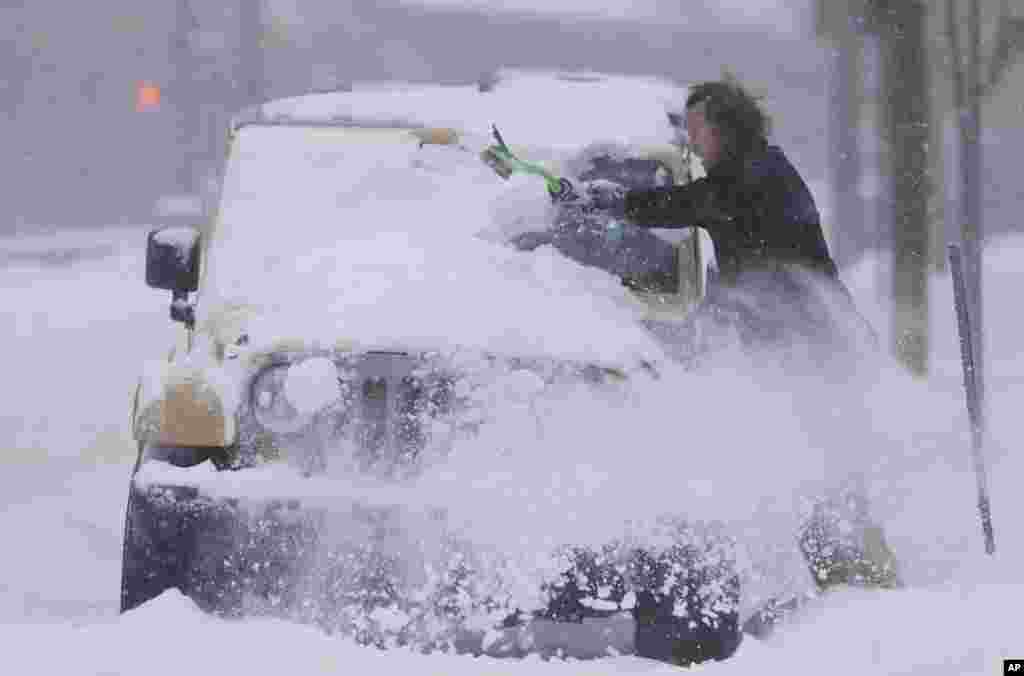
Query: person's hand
[593, 195]
[564, 191]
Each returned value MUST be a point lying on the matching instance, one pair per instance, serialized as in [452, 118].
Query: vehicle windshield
[365, 234]
[289, 190]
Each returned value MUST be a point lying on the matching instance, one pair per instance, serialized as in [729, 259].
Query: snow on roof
[558, 110]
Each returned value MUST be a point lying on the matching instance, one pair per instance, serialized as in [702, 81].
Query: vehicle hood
[391, 292]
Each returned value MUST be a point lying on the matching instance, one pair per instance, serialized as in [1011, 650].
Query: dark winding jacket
[757, 210]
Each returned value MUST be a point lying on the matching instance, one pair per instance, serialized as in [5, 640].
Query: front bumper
[365, 575]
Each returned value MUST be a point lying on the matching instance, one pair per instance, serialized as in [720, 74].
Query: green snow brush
[501, 159]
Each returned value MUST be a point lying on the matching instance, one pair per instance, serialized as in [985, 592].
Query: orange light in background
[147, 97]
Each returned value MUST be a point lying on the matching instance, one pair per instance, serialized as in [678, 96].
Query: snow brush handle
[559, 188]
[974, 412]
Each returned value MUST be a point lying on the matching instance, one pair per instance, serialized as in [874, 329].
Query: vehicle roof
[549, 109]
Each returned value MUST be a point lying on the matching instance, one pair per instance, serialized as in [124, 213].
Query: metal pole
[974, 410]
[847, 222]
[901, 26]
[974, 228]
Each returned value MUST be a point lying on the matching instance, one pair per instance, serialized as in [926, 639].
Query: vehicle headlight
[286, 398]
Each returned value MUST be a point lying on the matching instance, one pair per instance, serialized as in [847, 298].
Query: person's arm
[681, 206]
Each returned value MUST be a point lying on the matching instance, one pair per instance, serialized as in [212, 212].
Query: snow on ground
[70, 321]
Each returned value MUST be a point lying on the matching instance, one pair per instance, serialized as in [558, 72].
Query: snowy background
[780, 16]
[79, 323]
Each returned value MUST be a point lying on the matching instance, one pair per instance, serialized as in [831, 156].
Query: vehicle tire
[159, 536]
[687, 603]
[151, 556]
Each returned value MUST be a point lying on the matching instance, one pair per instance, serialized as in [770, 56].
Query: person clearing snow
[776, 283]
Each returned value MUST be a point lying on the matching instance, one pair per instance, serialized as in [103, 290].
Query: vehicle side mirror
[172, 259]
[172, 263]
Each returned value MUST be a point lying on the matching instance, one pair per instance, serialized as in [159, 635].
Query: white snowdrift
[949, 630]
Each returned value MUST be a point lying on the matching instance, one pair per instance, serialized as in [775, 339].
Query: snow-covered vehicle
[356, 330]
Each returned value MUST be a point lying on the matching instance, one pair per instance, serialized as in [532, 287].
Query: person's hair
[742, 125]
